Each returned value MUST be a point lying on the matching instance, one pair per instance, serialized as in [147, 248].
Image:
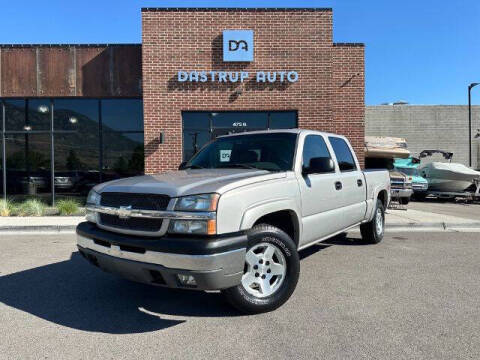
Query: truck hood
[189, 182]
[419, 180]
[395, 175]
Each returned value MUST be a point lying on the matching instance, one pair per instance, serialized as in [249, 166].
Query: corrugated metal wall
[71, 70]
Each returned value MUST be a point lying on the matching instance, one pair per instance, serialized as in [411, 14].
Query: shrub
[6, 207]
[67, 206]
[32, 207]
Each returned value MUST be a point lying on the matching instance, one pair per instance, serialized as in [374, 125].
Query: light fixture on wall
[27, 128]
[43, 109]
[73, 120]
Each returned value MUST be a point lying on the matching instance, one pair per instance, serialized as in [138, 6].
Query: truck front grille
[136, 201]
[397, 184]
[135, 224]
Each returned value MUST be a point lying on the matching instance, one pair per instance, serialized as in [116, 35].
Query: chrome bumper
[230, 262]
[400, 193]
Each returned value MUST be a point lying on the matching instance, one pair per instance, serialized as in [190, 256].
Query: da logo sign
[237, 45]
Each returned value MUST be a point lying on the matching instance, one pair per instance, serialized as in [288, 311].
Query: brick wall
[329, 94]
[349, 94]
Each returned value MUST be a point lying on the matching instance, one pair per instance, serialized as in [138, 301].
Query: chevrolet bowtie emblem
[124, 212]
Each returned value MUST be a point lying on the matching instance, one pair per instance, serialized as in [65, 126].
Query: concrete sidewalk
[427, 221]
[39, 224]
[397, 220]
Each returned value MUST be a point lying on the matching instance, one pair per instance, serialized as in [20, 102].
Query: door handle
[338, 185]
[359, 182]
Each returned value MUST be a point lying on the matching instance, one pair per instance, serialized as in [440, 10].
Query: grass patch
[32, 207]
[67, 207]
[7, 207]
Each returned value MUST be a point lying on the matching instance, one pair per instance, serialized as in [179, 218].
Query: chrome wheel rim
[265, 269]
[379, 221]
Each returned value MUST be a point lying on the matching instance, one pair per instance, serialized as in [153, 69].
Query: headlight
[93, 198]
[204, 202]
[201, 227]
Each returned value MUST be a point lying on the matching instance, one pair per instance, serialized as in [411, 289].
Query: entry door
[320, 209]
[201, 127]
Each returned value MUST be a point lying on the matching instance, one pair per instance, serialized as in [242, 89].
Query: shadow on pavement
[311, 250]
[75, 294]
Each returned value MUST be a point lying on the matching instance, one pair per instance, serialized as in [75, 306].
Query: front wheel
[404, 200]
[271, 272]
[372, 232]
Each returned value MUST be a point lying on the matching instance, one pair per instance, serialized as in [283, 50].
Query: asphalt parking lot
[415, 295]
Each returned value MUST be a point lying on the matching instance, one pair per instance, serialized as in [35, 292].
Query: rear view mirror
[319, 165]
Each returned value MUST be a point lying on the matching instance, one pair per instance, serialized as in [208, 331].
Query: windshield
[408, 171]
[272, 152]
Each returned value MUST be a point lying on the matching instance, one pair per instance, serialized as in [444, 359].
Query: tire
[372, 232]
[404, 201]
[259, 297]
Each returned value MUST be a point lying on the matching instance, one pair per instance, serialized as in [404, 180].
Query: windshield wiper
[242, 166]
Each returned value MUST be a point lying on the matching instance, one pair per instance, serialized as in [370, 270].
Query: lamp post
[470, 87]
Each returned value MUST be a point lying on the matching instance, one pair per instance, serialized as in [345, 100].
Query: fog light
[187, 280]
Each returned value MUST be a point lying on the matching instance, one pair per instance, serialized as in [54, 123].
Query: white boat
[448, 177]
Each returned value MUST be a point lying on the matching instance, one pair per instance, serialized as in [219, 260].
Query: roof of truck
[291, 131]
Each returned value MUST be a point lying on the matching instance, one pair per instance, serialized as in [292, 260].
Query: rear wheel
[271, 272]
[372, 232]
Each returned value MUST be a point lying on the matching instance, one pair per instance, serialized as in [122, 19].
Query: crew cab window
[343, 154]
[314, 147]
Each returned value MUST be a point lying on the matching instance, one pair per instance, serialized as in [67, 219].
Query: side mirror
[319, 165]
[182, 165]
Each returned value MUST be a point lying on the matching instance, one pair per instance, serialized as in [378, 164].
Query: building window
[28, 160]
[76, 146]
[93, 141]
[201, 127]
[122, 138]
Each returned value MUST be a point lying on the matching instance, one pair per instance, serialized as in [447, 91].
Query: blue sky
[421, 51]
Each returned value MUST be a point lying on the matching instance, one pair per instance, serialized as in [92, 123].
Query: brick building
[327, 94]
[75, 115]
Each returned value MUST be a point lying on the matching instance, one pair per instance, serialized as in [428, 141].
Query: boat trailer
[467, 196]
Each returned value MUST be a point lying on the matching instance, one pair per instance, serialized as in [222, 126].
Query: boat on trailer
[447, 177]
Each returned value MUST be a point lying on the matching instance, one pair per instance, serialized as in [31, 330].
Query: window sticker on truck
[225, 155]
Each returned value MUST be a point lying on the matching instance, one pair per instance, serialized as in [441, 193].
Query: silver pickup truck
[234, 217]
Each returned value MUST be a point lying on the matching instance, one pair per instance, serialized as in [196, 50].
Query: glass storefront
[201, 127]
[62, 147]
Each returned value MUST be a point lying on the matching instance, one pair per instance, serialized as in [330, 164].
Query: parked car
[235, 216]
[410, 169]
[401, 185]
[67, 180]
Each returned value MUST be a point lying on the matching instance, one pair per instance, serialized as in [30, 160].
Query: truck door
[352, 194]
[320, 217]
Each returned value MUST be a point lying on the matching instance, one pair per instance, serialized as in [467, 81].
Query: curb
[38, 228]
[434, 226]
